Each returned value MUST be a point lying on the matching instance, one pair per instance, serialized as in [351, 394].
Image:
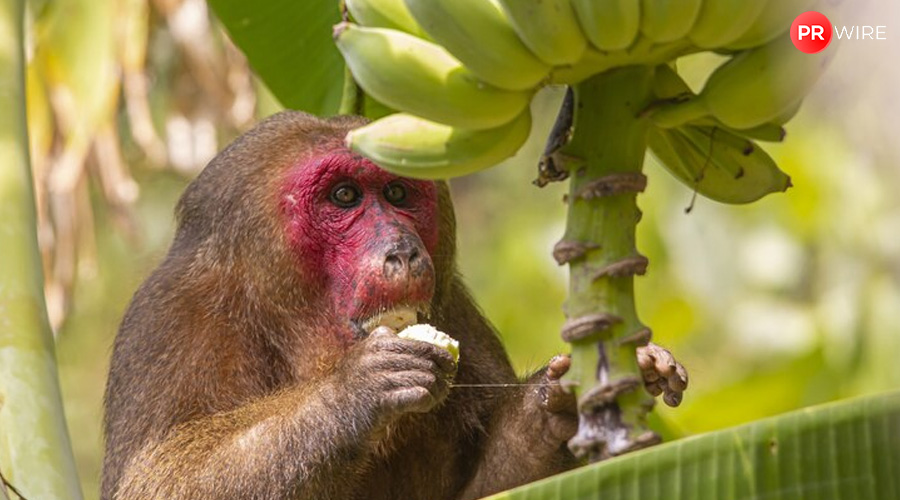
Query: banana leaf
[289, 46]
[847, 450]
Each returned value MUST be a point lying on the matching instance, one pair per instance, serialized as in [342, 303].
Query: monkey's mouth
[396, 318]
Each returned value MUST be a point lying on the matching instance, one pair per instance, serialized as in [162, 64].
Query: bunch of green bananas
[462, 73]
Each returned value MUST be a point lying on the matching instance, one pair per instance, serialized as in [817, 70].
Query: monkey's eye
[345, 196]
[395, 193]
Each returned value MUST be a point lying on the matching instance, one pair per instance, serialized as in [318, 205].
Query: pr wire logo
[811, 32]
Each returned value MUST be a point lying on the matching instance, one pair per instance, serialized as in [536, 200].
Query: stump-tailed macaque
[259, 360]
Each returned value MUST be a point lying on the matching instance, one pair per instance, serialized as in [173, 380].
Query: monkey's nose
[403, 262]
[398, 264]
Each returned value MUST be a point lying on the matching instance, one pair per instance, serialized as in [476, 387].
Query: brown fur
[226, 383]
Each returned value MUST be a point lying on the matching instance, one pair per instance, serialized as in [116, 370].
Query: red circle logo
[811, 32]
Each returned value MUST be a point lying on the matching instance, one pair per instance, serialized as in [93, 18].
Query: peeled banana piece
[421, 78]
[478, 34]
[414, 147]
[391, 14]
[430, 334]
[609, 24]
[549, 28]
[717, 164]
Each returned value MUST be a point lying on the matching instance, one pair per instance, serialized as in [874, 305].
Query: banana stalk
[605, 158]
[35, 451]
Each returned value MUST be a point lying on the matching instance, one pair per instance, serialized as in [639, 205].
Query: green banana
[478, 34]
[753, 88]
[419, 77]
[547, 27]
[721, 22]
[414, 147]
[666, 21]
[789, 113]
[384, 14]
[644, 52]
[775, 19]
[609, 24]
[668, 85]
[717, 164]
[767, 132]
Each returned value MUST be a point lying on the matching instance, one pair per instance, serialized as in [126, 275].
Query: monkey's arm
[272, 448]
[529, 433]
[294, 444]
[527, 437]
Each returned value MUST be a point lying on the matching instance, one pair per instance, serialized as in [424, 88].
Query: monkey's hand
[559, 414]
[662, 374]
[398, 376]
[528, 434]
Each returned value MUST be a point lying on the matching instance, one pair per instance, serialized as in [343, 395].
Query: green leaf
[289, 46]
[847, 450]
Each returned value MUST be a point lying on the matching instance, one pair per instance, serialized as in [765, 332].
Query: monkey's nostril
[405, 260]
[394, 265]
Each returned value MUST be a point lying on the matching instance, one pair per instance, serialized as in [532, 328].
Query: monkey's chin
[396, 319]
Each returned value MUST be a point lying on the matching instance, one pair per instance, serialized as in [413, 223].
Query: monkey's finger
[645, 362]
[411, 378]
[436, 386]
[392, 362]
[673, 398]
[556, 400]
[411, 399]
[563, 427]
[665, 362]
[650, 375]
[654, 388]
[558, 366]
[383, 331]
[679, 380]
[439, 355]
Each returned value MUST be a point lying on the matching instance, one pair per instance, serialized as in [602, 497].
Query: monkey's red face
[364, 236]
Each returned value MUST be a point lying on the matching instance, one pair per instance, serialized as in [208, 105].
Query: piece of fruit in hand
[427, 333]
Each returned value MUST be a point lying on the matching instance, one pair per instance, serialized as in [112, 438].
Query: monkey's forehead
[325, 167]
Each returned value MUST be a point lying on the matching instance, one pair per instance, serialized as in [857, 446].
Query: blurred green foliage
[791, 301]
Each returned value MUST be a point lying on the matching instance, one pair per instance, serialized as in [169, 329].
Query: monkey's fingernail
[665, 367]
[645, 362]
[682, 374]
[676, 383]
[383, 330]
[673, 399]
[650, 375]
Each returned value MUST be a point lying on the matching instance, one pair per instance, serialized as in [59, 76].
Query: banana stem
[605, 158]
[351, 97]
